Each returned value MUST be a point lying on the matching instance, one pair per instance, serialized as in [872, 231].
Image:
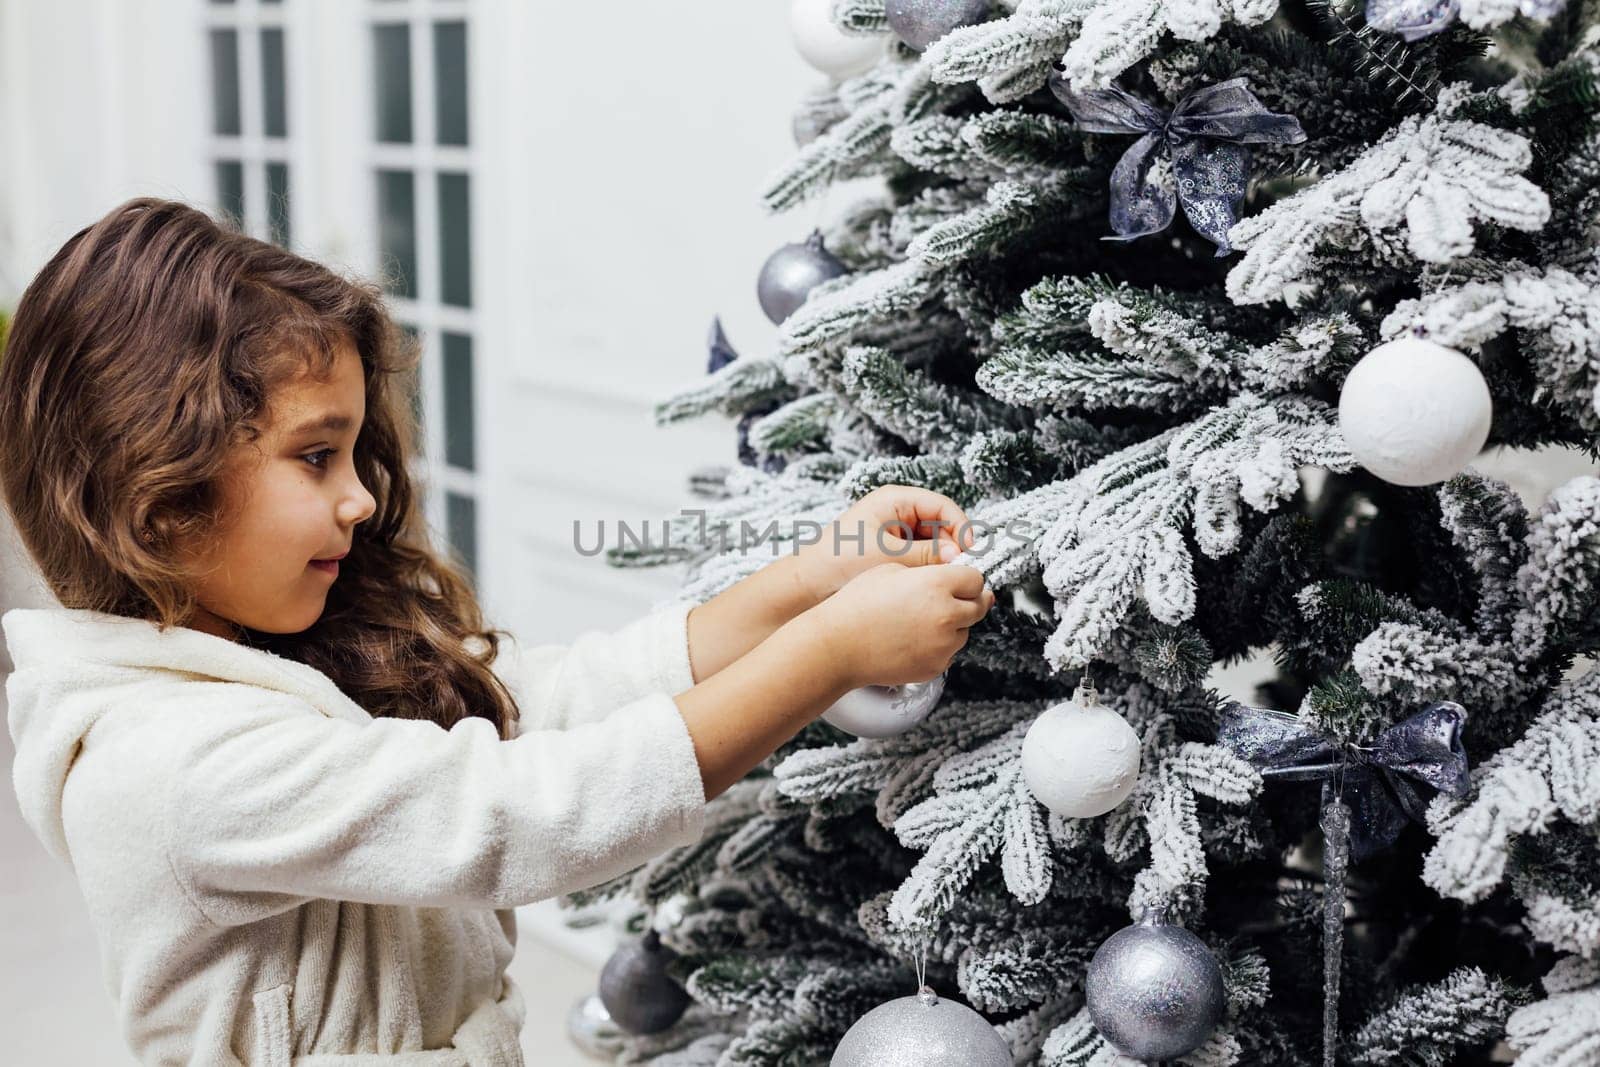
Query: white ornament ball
[885, 710]
[922, 1030]
[1414, 412]
[835, 53]
[1080, 759]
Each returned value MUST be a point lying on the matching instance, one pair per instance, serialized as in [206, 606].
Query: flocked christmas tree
[1213, 298]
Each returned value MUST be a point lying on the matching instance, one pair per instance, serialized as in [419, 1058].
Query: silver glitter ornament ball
[923, 1030]
[592, 1031]
[1155, 991]
[885, 710]
[919, 23]
[790, 274]
[637, 990]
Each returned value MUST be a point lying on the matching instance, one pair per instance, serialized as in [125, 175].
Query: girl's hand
[900, 524]
[894, 625]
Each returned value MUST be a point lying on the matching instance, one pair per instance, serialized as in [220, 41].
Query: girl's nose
[360, 505]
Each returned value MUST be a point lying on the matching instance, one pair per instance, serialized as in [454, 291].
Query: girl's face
[291, 497]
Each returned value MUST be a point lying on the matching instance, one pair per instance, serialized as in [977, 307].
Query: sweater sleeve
[600, 671]
[280, 804]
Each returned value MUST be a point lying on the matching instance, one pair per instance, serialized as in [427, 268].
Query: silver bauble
[1412, 19]
[790, 273]
[885, 710]
[637, 990]
[1155, 991]
[919, 23]
[592, 1030]
[923, 1030]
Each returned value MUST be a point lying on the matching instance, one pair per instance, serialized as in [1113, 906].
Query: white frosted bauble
[885, 710]
[1414, 412]
[1080, 759]
[835, 53]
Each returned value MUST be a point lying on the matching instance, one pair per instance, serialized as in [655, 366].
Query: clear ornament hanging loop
[925, 992]
[1086, 695]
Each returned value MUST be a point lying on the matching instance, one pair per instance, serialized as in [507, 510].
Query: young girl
[299, 780]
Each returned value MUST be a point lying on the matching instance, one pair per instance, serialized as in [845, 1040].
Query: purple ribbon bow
[1195, 155]
[1387, 783]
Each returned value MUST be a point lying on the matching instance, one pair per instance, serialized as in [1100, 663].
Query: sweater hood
[69, 662]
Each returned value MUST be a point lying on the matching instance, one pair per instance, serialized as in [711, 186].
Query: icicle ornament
[1389, 782]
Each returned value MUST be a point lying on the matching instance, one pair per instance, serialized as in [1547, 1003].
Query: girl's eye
[323, 452]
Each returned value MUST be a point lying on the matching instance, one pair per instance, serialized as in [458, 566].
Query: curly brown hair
[140, 357]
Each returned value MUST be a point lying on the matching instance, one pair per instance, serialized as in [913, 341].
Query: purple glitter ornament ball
[1155, 991]
[919, 23]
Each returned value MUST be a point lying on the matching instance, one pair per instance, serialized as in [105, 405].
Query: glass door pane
[450, 82]
[392, 53]
[278, 202]
[459, 428]
[455, 240]
[225, 82]
[274, 98]
[397, 230]
[230, 190]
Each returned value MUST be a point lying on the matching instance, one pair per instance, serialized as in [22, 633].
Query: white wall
[645, 135]
[98, 103]
[619, 150]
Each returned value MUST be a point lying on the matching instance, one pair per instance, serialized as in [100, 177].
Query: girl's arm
[901, 524]
[667, 651]
[563, 685]
[277, 804]
[566, 685]
[782, 684]
[745, 614]
[281, 804]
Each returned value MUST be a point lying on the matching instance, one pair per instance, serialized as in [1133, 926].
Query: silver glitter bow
[1195, 155]
[1390, 781]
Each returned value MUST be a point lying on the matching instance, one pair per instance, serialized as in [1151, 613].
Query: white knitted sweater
[275, 877]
